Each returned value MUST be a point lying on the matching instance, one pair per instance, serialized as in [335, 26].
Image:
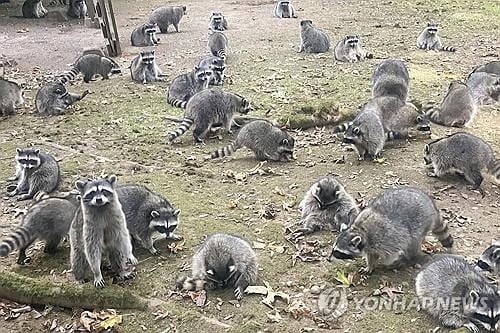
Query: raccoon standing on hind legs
[429, 39]
[284, 9]
[312, 40]
[144, 68]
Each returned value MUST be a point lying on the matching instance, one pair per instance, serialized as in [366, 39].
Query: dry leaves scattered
[100, 321]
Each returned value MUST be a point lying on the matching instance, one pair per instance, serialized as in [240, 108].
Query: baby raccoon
[11, 97]
[217, 22]
[390, 230]
[458, 108]
[35, 172]
[217, 66]
[53, 99]
[485, 87]
[99, 228]
[147, 213]
[463, 153]
[223, 261]
[145, 35]
[165, 16]
[184, 86]
[48, 219]
[77, 9]
[284, 9]
[429, 39]
[493, 67]
[90, 65]
[490, 259]
[34, 9]
[391, 78]
[217, 44]
[312, 40]
[209, 107]
[265, 140]
[326, 206]
[144, 68]
[457, 296]
[349, 50]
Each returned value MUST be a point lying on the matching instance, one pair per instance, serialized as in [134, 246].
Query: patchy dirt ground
[122, 122]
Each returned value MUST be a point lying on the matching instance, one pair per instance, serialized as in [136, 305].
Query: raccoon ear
[196, 68]
[154, 214]
[78, 197]
[210, 272]
[317, 190]
[496, 254]
[19, 150]
[474, 296]
[232, 268]
[356, 241]
[356, 130]
[37, 151]
[419, 119]
[80, 185]
[284, 142]
[112, 179]
[343, 227]
[427, 149]
[177, 212]
[428, 24]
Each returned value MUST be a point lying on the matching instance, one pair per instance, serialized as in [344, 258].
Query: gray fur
[457, 296]
[90, 65]
[492, 67]
[312, 40]
[207, 108]
[268, 142]
[391, 78]
[217, 22]
[464, 153]
[77, 9]
[34, 9]
[349, 50]
[284, 9]
[217, 44]
[458, 108]
[429, 39]
[147, 213]
[389, 232]
[217, 66]
[184, 86]
[145, 35]
[49, 219]
[165, 16]
[223, 261]
[35, 172]
[53, 99]
[144, 68]
[11, 97]
[490, 258]
[485, 87]
[99, 228]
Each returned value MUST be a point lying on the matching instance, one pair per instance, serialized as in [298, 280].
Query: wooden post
[106, 17]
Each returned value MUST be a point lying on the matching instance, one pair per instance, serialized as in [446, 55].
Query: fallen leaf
[274, 316]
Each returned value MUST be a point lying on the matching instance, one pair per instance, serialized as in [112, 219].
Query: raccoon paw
[175, 237]
[99, 283]
[431, 174]
[238, 292]
[24, 197]
[133, 260]
[472, 327]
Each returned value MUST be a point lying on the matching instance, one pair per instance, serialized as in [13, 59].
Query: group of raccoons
[103, 219]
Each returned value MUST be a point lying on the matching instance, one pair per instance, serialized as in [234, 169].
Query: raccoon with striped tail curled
[100, 228]
[217, 44]
[268, 142]
[166, 16]
[429, 39]
[145, 35]
[35, 172]
[217, 66]
[451, 291]
[48, 219]
[53, 99]
[90, 65]
[349, 50]
[389, 232]
[391, 78]
[217, 22]
[207, 108]
[144, 68]
[490, 259]
[284, 9]
[464, 153]
[147, 213]
[222, 261]
[184, 86]
[312, 40]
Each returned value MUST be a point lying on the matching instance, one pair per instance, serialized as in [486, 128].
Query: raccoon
[34, 9]
[326, 206]
[217, 66]
[457, 296]
[284, 9]
[217, 22]
[146, 213]
[265, 140]
[391, 78]
[312, 40]
[493, 67]
[48, 219]
[485, 87]
[144, 68]
[35, 172]
[490, 259]
[349, 50]
[429, 39]
[145, 35]
[98, 228]
[53, 99]
[184, 86]
[217, 44]
[464, 153]
[77, 9]
[90, 65]
[223, 261]
[390, 230]
[209, 107]
[58, 3]
[11, 97]
[165, 16]
[458, 108]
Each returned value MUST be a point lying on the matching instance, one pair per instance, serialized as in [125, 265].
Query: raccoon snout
[340, 255]
[483, 265]
[424, 128]
[427, 161]
[347, 140]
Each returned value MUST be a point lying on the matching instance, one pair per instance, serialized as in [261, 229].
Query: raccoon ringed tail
[442, 233]
[224, 151]
[15, 240]
[448, 49]
[183, 127]
[176, 102]
[342, 127]
[56, 3]
[69, 76]
[494, 170]
[222, 54]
